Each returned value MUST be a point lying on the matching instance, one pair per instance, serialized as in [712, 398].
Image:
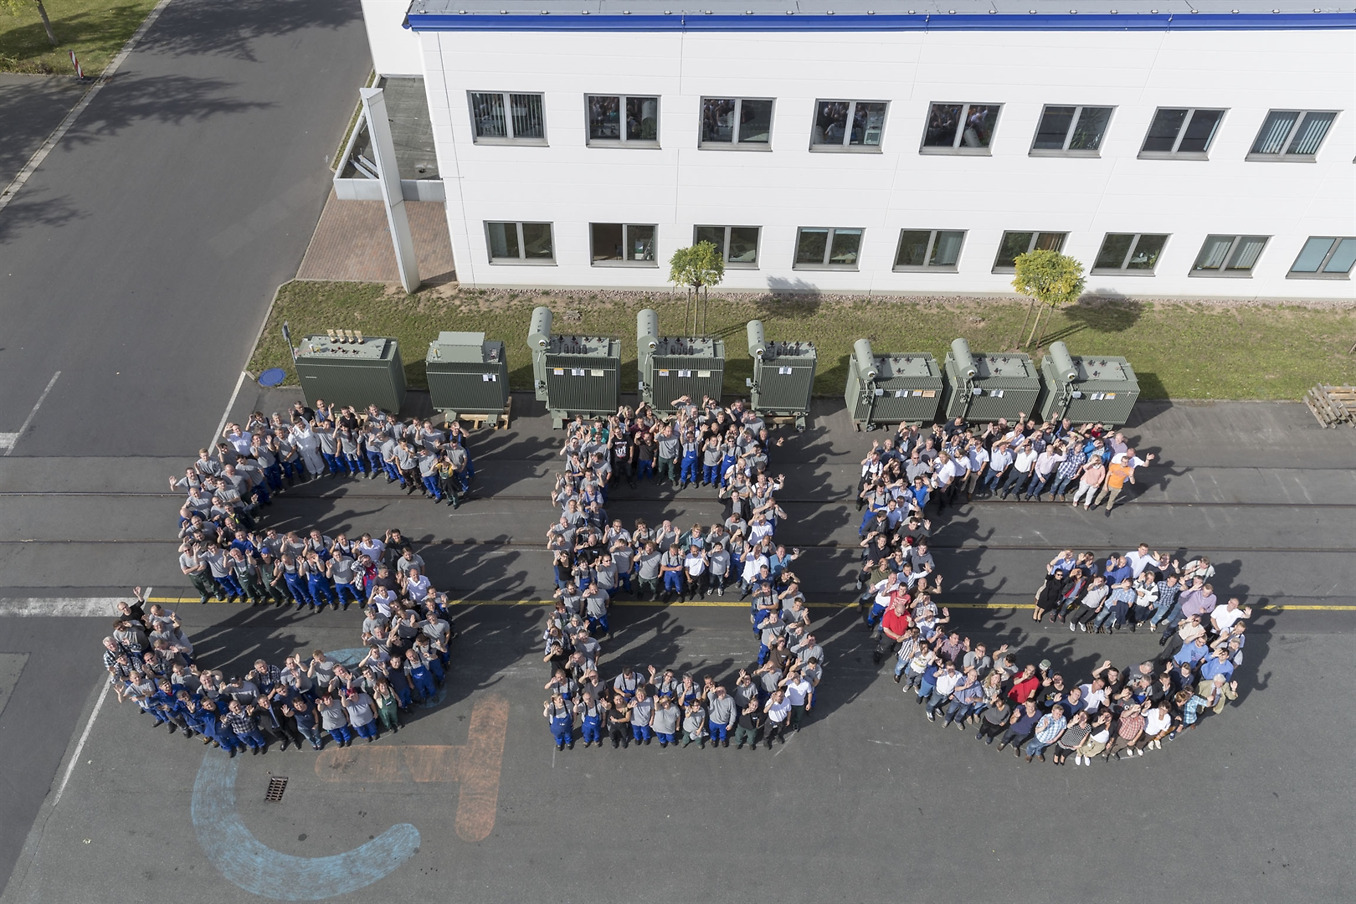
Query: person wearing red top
[893, 624]
[1024, 685]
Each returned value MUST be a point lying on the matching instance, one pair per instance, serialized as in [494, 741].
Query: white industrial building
[1177, 149]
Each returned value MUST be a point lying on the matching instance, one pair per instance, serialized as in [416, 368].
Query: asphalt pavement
[33, 105]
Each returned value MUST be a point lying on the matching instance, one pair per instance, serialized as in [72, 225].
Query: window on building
[847, 125]
[821, 247]
[731, 121]
[1076, 131]
[923, 249]
[616, 244]
[520, 243]
[1325, 257]
[504, 118]
[1181, 132]
[738, 244]
[622, 119]
[1015, 244]
[1129, 252]
[1291, 135]
[1228, 255]
[960, 128]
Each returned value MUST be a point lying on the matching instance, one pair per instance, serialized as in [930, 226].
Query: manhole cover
[276, 787]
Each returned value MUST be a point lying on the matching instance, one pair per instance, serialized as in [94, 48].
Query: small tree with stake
[15, 7]
[697, 269]
[1050, 279]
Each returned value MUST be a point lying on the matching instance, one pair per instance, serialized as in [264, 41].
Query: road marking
[475, 765]
[221, 428]
[80, 745]
[12, 190]
[60, 607]
[31, 414]
[249, 863]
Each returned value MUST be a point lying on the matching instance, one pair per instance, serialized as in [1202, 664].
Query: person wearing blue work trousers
[560, 720]
[350, 457]
[428, 475]
[665, 721]
[372, 438]
[419, 676]
[590, 719]
[294, 575]
[671, 567]
[240, 719]
[642, 713]
[362, 714]
[689, 464]
[334, 719]
[317, 585]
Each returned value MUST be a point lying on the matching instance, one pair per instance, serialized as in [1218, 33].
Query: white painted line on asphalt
[12, 190]
[32, 414]
[221, 428]
[60, 607]
[7, 441]
[80, 746]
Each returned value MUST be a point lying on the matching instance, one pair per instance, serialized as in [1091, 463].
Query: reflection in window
[1228, 255]
[729, 120]
[623, 243]
[960, 127]
[845, 124]
[923, 249]
[1015, 244]
[820, 247]
[737, 244]
[516, 243]
[1124, 251]
[1325, 256]
[1071, 130]
[1181, 131]
[622, 118]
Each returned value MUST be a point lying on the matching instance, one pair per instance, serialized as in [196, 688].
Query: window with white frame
[1075, 131]
[924, 249]
[1015, 244]
[737, 244]
[1129, 252]
[1291, 134]
[1228, 255]
[519, 243]
[736, 122]
[1181, 132]
[960, 128]
[622, 119]
[623, 244]
[1325, 257]
[846, 125]
[504, 118]
[819, 247]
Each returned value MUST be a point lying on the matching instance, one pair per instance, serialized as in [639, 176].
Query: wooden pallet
[476, 421]
[1332, 405]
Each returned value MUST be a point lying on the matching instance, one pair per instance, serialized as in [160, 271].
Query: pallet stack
[1332, 405]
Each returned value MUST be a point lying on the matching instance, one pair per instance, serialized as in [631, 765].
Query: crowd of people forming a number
[228, 554]
[1031, 706]
[725, 449]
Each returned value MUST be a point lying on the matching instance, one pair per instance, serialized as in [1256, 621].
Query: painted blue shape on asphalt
[272, 377]
[260, 870]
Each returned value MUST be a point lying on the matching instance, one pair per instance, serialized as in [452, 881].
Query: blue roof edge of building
[472, 21]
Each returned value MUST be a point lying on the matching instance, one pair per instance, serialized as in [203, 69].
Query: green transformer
[466, 374]
[1087, 389]
[888, 389]
[573, 374]
[671, 367]
[362, 371]
[982, 387]
[783, 375]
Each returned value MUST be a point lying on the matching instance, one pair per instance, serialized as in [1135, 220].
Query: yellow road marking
[723, 604]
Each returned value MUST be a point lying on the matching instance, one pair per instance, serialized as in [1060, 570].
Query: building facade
[826, 147]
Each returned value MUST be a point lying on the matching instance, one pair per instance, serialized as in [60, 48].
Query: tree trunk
[1040, 311]
[687, 306]
[1025, 321]
[706, 308]
[47, 24]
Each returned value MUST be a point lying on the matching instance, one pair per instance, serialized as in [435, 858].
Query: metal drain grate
[276, 787]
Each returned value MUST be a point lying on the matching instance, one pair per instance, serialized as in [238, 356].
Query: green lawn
[94, 29]
[1180, 351]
